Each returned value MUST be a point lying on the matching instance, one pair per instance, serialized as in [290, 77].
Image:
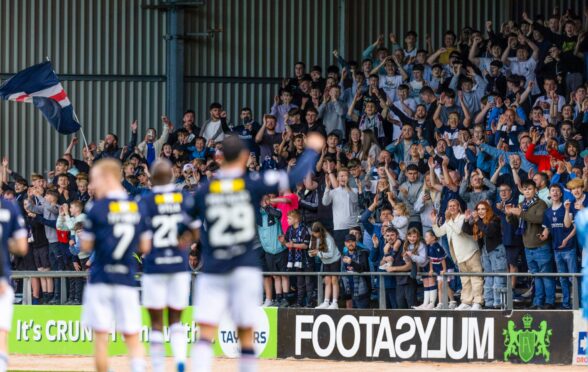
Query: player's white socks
[157, 351]
[137, 365]
[179, 342]
[3, 362]
[202, 356]
[248, 361]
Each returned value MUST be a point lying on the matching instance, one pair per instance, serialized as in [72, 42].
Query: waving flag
[40, 86]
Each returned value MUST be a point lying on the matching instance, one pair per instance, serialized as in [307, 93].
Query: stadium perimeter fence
[507, 292]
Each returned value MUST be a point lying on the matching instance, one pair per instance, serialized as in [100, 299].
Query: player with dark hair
[13, 239]
[166, 279]
[113, 229]
[226, 208]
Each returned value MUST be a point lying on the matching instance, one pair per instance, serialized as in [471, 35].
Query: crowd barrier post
[382, 292]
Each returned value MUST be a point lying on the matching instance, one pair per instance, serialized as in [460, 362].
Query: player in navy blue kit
[166, 279]
[114, 228]
[231, 279]
[13, 239]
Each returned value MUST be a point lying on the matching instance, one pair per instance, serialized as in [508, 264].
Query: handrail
[26, 276]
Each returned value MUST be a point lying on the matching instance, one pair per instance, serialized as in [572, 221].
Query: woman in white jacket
[345, 206]
[465, 252]
[323, 245]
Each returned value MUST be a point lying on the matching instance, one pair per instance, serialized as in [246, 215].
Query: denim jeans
[57, 263]
[361, 302]
[540, 260]
[494, 262]
[406, 294]
[565, 261]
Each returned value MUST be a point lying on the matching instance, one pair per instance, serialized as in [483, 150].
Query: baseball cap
[188, 167]
[350, 237]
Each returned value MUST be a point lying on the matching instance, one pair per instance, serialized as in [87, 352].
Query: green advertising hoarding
[58, 330]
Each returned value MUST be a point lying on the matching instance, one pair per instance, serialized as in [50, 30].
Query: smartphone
[491, 99]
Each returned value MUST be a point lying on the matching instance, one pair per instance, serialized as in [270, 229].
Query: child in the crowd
[400, 220]
[439, 264]
[323, 245]
[297, 240]
[357, 288]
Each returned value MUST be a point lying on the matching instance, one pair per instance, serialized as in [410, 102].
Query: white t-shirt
[211, 130]
[526, 69]
[390, 84]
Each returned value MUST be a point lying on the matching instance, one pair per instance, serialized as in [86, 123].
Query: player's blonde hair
[110, 167]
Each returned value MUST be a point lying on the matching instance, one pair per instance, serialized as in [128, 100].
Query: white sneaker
[333, 305]
[429, 306]
[267, 303]
[419, 307]
[452, 305]
[440, 306]
[476, 307]
[463, 307]
[324, 305]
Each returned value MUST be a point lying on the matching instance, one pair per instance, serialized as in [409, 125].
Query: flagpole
[85, 142]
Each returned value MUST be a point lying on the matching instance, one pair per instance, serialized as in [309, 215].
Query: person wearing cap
[357, 288]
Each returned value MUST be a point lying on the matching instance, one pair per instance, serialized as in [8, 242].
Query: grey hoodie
[49, 212]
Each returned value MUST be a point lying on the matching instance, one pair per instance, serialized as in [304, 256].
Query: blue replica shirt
[227, 209]
[163, 208]
[115, 224]
[553, 220]
[12, 225]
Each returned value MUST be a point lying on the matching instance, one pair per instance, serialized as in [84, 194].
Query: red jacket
[543, 162]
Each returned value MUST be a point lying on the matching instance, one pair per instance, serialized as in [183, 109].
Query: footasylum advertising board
[517, 337]
[58, 330]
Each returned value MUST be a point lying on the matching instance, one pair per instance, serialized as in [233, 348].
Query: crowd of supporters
[471, 157]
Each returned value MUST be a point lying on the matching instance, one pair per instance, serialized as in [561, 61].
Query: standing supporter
[563, 240]
[297, 240]
[479, 188]
[150, 148]
[48, 209]
[484, 226]
[332, 112]
[40, 247]
[282, 105]
[464, 252]
[439, 264]
[267, 137]
[345, 206]
[276, 255]
[357, 288]
[68, 218]
[322, 245]
[384, 256]
[215, 128]
[512, 241]
[528, 216]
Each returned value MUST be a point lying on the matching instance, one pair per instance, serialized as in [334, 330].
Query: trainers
[452, 305]
[181, 367]
[419, 307]
[528, 293]
[333, 305]
[267, 303]
[429, 306]
[476, 307]
[464, 307]
[283, 303]
[440, 306]
[324, 305]
[53, 301]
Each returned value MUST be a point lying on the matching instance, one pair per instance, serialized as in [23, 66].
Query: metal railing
[26, 276]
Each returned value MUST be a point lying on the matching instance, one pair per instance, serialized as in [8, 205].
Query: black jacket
[492, 234]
